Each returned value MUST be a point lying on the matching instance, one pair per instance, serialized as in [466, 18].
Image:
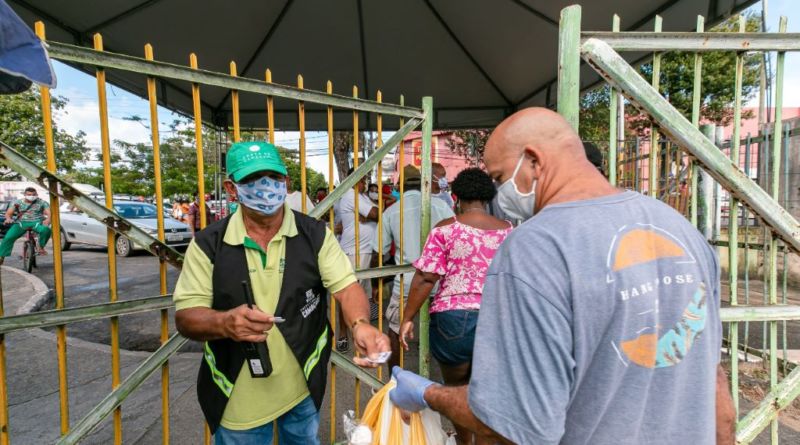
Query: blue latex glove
[409, 394]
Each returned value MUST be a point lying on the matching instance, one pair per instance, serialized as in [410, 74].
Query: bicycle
[29, 251]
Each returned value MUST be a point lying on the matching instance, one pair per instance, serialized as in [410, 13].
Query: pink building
[751, 125]
[635, 177]
[440, 152]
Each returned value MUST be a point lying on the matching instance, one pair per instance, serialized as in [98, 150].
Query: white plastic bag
[356, 432]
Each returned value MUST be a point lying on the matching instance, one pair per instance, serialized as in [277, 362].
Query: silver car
[78, 228]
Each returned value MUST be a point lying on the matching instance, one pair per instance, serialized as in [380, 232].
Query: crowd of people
[563, 309]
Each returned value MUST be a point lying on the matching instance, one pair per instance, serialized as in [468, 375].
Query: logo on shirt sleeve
[657, 282]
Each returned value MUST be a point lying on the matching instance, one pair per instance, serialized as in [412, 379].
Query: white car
[79, 228]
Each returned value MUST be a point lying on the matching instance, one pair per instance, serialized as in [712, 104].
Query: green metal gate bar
[24, 166]
[761, 207]
[695, 41]
[623, 76]
[115, 398]
[81, 55]
[55, 317]
[346, 186]
[767, 411]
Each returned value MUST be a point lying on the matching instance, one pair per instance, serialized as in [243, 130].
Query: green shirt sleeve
[334, 267]
[194, 283]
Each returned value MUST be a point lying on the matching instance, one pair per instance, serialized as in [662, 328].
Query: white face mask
[442, 182]
[264, 195]
[515, 204]
[373, 196]
[30, 198]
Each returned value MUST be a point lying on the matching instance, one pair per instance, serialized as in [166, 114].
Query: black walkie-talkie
[256, 354]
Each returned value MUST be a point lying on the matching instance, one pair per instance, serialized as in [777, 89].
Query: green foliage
[594, 115]
[677, 85]
[314, 179]
[469, 144]
[717, 91]
[21, 127]
[132, 165]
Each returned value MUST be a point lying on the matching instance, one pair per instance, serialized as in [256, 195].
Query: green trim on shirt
[250, 244]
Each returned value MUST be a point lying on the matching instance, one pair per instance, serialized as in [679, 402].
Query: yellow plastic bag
[388, 428]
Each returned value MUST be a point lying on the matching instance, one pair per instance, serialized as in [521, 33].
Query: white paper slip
[382, 357]
[278, 319]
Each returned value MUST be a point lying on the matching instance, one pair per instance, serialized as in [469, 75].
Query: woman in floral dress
[456, 255]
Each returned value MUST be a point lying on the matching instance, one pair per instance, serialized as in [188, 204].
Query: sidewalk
[32, 380]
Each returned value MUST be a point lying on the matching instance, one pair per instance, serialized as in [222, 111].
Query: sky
[81, 112]
[789, 9]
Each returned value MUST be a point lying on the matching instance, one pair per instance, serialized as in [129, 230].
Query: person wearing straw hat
[290, 261]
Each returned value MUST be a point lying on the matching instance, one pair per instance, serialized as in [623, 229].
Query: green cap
[245, 158]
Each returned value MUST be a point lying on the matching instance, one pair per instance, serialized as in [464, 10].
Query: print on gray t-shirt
[605, 315]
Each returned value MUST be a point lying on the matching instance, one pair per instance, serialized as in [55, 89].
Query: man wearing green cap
[290, 261]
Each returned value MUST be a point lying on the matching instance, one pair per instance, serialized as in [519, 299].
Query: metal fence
[409, 118]
[685, 156]
[680, 169]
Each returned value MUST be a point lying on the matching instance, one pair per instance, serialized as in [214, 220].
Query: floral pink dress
[461, 254]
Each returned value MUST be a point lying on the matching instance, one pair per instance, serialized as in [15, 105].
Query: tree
[132, 165]
[594, 115]
[343, 150]
[470, 144]
[677, 86]
[314, 179]
[22, 128]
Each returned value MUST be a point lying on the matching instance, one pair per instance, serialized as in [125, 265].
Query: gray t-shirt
[600, 324]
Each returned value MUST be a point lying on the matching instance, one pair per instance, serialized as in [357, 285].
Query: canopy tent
[479, 59]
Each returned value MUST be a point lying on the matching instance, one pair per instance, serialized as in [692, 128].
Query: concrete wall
[793, 145]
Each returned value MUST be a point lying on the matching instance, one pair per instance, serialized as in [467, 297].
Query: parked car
[3, 208]
[79, 228]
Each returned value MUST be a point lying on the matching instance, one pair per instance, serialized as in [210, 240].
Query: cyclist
[32, 213]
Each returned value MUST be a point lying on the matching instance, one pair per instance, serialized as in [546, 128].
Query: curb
[41, 295]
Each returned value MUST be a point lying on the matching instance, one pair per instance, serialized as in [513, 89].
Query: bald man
[599, 322]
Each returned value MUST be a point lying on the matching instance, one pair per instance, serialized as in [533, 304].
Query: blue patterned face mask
[264, 195]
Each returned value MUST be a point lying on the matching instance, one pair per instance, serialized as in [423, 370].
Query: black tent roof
[479, 59]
